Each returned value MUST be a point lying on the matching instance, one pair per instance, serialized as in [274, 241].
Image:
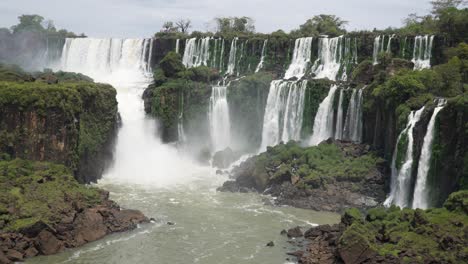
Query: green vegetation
[85, 113]
[421, 236]
[315, 166]
[322, 25]
[35, 192]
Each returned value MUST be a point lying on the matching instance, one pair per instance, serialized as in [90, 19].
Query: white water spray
[323, 123]
[301, 58]
[220, 126]
[339, 118]
[421, 190]
[232, 57]
[262, 59]
[353, 123]
[283, 113]
[422, 52]
[197, 52]
[401, 178]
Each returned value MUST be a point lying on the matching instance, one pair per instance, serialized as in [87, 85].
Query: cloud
[142, 18]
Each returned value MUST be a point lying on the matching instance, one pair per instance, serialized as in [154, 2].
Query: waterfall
[197, 52]
[232, 57]
[323, 123]
[353, 124]
[220, 126]
[301, 58]
[215, 54]
[104, 59]
[150, 55]
[422, 52]
[139, 157]
[177, 45]
[283, 113]
[339, 118]
[421, 190]
[332, 54]
[180, 122]
[401, 177]
[379, 46]
[389, 44]
[221, 57]
[403, 47]
[262, 59]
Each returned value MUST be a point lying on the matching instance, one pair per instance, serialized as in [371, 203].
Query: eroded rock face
[90, 224]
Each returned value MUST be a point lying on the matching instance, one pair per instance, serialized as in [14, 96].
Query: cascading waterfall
[140, 156]
[150, 55]
[262, 58]
[422, 52]
[301, 58]
[339, 118]
[329, 61]
[401, 177]
[283, 113]
[197, 52]
[323, 123]
[379, 46]
[220, 126]
[232, 57]
[221, 57]
[421, 190]
[353, 124]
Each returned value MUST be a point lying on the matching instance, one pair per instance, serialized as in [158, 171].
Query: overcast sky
[141, 18]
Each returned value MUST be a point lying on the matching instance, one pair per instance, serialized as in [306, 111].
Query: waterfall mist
[140, 156]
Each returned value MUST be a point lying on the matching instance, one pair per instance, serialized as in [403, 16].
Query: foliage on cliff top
[14, 73]
[435, 235]
[32, 192]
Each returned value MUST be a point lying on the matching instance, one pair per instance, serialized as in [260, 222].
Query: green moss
[39, 191]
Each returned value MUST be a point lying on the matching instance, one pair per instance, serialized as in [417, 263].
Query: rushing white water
[220, 126]
[332, 58]
[221, 57]
[422, 52]
[150, 56]
[379, 46]
[301, 58]
[389, 44]
[262, 59]
[232, 57]
[421, 190]
[197, 52]
[323, 123]
[339, 118]
[401, 178]
[283, 113]
[180, 122]
[353, 122]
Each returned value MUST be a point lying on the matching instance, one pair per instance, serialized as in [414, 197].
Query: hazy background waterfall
[177, 45]
[352, 130]
[401, 178]
[323, 123]
[220, 126]
[232, 57]
[330, 57]
[339, 118]
[283, 113]
[301, 58]
[422, 52]
[262, 59]
[197, 52]
[421, 190]
[378, 47]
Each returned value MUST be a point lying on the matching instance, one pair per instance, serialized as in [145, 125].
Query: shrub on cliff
[171, 64]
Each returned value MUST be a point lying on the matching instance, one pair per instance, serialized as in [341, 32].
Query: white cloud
[142, 18]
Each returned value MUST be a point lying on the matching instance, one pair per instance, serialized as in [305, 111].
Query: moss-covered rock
[68, 123]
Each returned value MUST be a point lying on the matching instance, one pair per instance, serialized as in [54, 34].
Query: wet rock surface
[77, 227]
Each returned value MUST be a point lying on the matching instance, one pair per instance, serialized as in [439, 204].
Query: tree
[168, 27]
[183, 25]
[29, 23]
[439, 5]
[235, 24]
[323, 25]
